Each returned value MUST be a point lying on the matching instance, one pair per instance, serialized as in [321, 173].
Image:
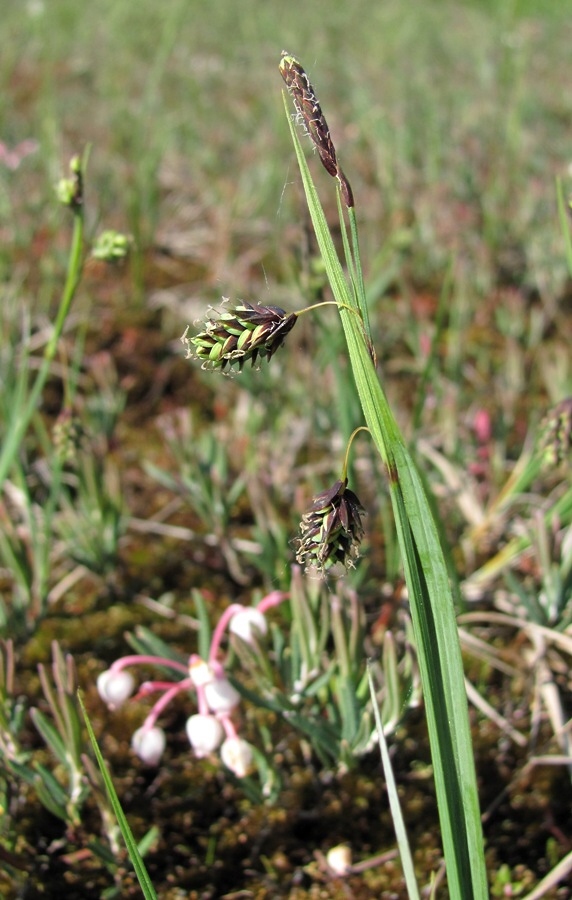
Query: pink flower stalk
[237, 610]
[160, 705]
[139, 659]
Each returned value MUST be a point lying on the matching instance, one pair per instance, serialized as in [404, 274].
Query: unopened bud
[339, 859]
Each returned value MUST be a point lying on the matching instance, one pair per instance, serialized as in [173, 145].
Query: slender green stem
[349, 447]
[360, 286]
[22, 418]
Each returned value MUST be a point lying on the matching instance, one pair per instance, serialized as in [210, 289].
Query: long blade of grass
[430, 596]
[396, 814]
[130, 843]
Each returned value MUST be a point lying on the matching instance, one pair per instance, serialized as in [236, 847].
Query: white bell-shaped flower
[199, 671]
[221, 696]
[236, 754]
[339, 859]
[205, 734]
[149, 744]
[115, 688]
[248, 624]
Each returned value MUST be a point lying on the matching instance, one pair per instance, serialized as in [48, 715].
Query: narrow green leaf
[393, 795]
[431, 600]
[130, 843]
[50, 735]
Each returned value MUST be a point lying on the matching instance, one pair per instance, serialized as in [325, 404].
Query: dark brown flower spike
[309, 112]
[331, 531]
[242, 332]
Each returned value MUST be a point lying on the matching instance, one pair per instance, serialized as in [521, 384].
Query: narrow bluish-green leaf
[430, 596]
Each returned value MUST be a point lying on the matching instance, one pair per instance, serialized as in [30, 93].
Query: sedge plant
[430, 595]
[331, 529]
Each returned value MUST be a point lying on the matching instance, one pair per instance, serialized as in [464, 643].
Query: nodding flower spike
[331, 531]
[309, 111]
[242, 332]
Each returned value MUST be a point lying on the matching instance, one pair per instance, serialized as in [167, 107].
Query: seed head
[556, 428]
[240, 333]
[331, 531]
[309, 112]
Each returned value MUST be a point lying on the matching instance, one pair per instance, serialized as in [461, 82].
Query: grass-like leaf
[432, 607]
[395, 806]
[130, 843]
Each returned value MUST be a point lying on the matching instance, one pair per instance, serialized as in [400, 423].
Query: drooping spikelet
[243, 331]
[331, 531]
[309, 112]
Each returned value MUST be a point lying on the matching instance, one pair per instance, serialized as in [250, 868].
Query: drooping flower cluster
[331, 531]
[242, 332]
[212, 727]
